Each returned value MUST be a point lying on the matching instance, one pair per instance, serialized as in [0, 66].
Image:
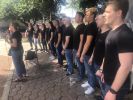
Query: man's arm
[87, 45]
[52, 35]
[126, 61]
[59, 39]
[80, 45]
[67, 39]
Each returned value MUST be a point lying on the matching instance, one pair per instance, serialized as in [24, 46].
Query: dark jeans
[121, 94]
[17, 56]
[69, 59]
[59, 55]
[30, 39]
[44, 44]
[52, 48]
[90, 71]
[96, 66]
[81, 67]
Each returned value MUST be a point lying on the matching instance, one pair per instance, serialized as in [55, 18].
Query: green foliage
[25, 10]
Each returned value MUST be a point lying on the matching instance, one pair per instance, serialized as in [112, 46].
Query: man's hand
[110, 96]
[81, 59]
[99, 73]
[48, 42]
[56, 46]
[78, 54]
[102, 78]
[63, 52]
[90, 61]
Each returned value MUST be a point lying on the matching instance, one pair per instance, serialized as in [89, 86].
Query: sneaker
[51, 57]
[46, 51]
[86, 84]
[89, 91]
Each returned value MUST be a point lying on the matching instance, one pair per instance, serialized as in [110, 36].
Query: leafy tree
[25, 10]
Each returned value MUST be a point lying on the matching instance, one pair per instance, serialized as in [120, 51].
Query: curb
[7, 85]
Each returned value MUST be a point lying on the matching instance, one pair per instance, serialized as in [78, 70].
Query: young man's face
[100, 20]
[88, 17]
[11, 28]
[67, 21]
[110, 15]
[77, 18]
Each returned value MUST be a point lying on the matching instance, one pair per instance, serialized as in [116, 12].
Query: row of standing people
[99, 48]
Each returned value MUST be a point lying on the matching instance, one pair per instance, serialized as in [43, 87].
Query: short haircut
[80, 14]
[122, 5]
[92, 10]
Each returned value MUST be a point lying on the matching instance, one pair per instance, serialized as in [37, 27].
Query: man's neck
[91, 21]
[117, 24]
[104, 28]
[80, 23]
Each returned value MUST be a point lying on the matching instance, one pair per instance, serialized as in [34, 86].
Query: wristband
[112, 91]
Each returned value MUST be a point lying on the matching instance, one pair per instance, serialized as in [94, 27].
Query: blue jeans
[44, 44]
[52, 48]
[30, 39]
[17, 56]
[81, 67]
[69, 59]
[59, 55]
[121, 94]
[90, 71]
[96, 66]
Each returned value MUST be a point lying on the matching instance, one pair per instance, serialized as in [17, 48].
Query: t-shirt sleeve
[59, 30]
[81, 30]
[69, 32]
[91, 30]
[124, 43]
[14, 36]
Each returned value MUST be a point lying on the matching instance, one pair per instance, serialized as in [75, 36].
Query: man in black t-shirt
[29, 33]
[17, 52]
[78, 43]
[58, 42]
[98, 53]
[68, 45]
[118, 51]
[89, 43]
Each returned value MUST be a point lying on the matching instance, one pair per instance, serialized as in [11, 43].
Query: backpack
[30, 55]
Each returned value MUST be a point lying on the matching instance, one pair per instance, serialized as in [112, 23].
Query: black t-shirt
[17, 35]
[48, 34]
[100, 48]
[68, 31]
[118, 41]
[30, 32]
[90, 30]
[76, 36]
[57, 31]
[43, 33]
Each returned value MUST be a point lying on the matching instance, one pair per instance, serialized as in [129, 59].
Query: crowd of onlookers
[100, 46]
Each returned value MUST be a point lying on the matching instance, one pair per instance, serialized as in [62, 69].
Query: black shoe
[68, 73]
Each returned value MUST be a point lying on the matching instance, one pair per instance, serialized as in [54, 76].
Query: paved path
[5, 63]
[46, 83]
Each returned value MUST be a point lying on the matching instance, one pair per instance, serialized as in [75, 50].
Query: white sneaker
[89, 91]
[51, 57]
[86, 84]
[46, 51]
